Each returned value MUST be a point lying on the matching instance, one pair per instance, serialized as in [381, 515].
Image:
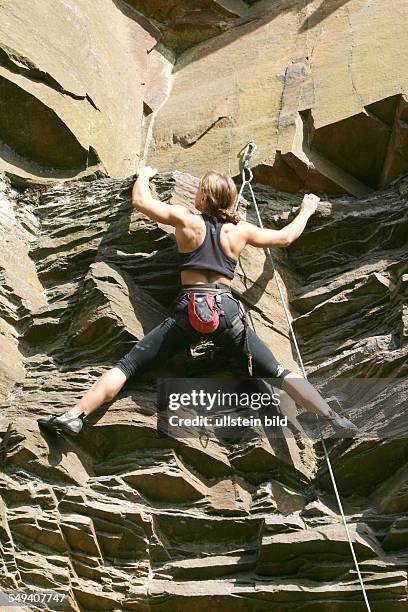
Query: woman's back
[206, 249]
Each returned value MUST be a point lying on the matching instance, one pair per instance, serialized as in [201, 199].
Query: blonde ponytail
[221, 195]
[229, 216]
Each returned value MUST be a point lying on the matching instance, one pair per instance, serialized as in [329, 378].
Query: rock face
[121, 519]
[20, 290]
[184, 23]
[317, 85]
[185, 85]
[76, 78]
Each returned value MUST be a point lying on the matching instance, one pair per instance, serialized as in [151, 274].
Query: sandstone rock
[188, 80]
[23, 447]
[317, 510]
[392, 495]
[184, 23]
[397, 537]
[123, 519]
[307, 84]
[247, 596]
[79, 102]
[21, 292]
[298, 553]
[171, 483]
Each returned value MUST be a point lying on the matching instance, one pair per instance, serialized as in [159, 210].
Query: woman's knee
[290, 374]
[296, 385]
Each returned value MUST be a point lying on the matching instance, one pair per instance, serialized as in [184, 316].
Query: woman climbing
[209, 241]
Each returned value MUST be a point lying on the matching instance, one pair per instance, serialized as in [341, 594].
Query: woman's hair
[221, 195]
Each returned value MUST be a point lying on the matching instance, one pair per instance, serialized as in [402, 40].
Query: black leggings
[175, 334]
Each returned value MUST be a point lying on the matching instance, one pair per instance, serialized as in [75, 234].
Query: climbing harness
[237, 321]
[203, 316]
[247, 155]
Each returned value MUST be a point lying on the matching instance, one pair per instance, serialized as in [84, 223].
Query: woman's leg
[265, 365]
[304, 394]
[296, 386]
[161, 343]
[103, 390]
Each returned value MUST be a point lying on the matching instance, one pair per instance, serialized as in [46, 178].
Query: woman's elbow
[285, 240]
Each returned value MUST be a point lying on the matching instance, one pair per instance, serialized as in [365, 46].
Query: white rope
[250, 149]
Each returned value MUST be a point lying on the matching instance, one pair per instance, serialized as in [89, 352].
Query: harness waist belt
[206, 287]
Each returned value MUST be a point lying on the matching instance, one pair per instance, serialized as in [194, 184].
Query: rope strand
[250, 149]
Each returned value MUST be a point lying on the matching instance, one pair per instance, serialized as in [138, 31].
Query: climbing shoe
[342, 426]
[71, 425]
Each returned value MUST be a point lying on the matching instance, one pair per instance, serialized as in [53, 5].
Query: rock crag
[118, 517]
[123, 520]
[319, 86]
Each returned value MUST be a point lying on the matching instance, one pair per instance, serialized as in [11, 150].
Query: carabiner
[248, 153]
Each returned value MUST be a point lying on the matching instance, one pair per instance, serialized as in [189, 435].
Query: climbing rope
[247, 155]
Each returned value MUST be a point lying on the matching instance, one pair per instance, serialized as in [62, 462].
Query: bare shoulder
[185, 216]
[236, 236]
[245, 228]
[191, 218]
[250, 233]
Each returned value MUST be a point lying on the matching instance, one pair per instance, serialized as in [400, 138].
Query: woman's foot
[342, 426]
[65, 422]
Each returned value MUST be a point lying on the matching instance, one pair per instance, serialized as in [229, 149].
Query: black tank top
[209, 255]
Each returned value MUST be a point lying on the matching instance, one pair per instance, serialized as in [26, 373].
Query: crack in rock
[20, 64]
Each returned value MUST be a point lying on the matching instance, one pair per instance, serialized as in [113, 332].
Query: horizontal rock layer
[122, 519]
